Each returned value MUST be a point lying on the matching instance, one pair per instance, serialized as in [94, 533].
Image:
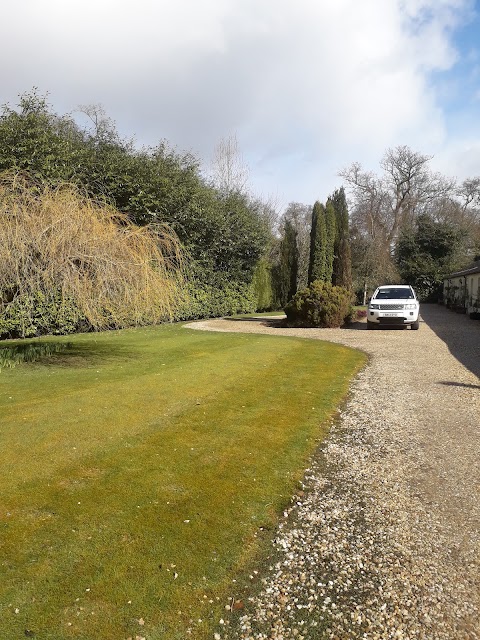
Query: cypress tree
[331, 234]
[286, 272]
[318, 244]
[342, 263]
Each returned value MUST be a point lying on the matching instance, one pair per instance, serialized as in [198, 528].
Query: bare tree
[371, 265]
[469, 192]
[465, 211]
[407, 187]
[229, 171]
[382, 205]
[102, 129]
[462, 209]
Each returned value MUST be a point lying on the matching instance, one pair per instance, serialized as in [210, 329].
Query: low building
[461, 290]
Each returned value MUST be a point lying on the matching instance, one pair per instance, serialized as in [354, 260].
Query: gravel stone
[384, 540]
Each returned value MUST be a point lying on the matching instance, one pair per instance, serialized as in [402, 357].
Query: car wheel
[370, 325]
[415, 325]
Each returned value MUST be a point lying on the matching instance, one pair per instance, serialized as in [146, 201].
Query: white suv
[393, 304]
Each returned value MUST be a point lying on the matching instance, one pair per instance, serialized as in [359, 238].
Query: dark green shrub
[319, 305]
[37, 314]
[213, 301]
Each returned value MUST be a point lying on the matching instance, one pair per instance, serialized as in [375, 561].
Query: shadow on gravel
[280, 323]
[459, 332]
[266, 322]
[459, 384]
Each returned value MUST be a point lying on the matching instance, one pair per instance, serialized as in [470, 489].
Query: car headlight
[410, 306]
[374, 306]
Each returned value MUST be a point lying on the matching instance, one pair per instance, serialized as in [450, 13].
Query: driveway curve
[384, 541]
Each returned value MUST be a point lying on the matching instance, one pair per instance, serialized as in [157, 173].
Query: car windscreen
[393, 294]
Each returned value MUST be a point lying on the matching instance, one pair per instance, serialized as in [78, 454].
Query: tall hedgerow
[223, 231]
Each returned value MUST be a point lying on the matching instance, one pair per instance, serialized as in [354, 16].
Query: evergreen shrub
[38, 313]
[212, 301]
[319, 305]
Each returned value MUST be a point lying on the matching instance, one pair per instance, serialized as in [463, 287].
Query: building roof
[473, 268]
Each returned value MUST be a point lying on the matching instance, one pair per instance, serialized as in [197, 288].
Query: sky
[307, 87]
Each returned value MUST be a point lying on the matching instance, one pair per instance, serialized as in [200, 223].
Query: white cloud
[307, 86]
[459, 158]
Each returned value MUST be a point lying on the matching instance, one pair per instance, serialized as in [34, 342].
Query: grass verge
[137, 468]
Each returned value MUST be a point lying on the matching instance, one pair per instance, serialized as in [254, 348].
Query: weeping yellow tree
[68, 262]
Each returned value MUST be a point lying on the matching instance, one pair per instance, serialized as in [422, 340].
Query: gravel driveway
[385, 540]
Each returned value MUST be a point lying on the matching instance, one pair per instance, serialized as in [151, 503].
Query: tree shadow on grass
[459, 332]
[58, 353]
[14, 354]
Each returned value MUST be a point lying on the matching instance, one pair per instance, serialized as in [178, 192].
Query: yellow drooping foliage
[60, 247]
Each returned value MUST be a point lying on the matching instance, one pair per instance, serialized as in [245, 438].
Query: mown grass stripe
[137, 450]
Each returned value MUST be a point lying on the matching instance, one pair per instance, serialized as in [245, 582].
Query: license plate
[390, 315]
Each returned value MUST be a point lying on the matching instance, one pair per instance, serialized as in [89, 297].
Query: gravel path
[384, 542]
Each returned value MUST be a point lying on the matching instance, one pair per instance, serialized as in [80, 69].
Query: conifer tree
[286, 271]
[318, 244]
[342, 263]
[331, 234]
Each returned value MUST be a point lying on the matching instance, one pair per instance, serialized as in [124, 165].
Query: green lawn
[137, 467]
